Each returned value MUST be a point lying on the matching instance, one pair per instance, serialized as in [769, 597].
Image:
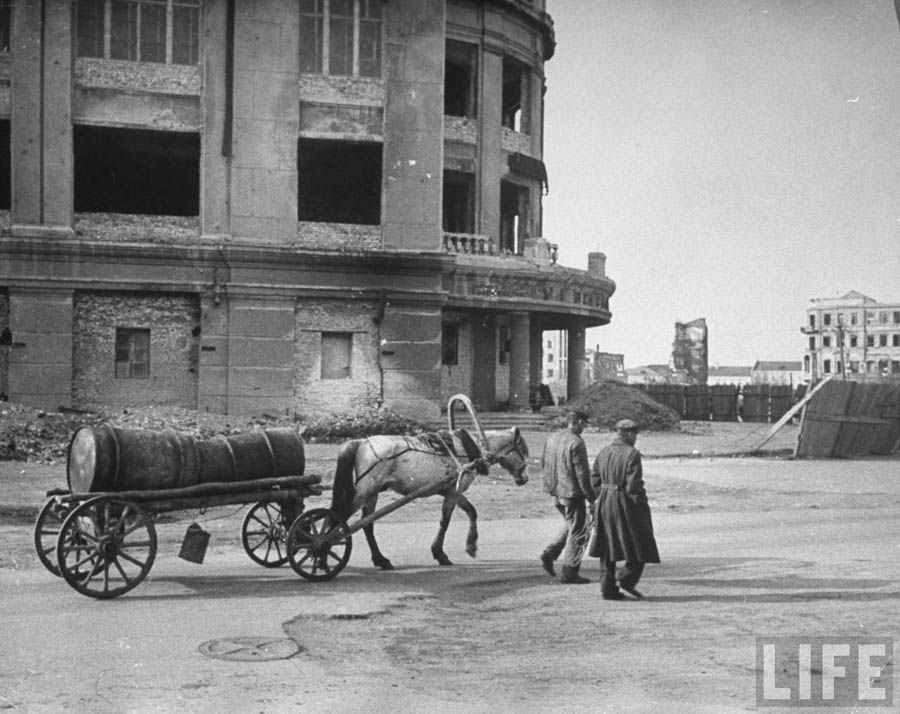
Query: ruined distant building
[302, 206]
[690, 352]
[606, 365]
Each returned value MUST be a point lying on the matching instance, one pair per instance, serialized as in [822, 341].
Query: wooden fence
[725, 402]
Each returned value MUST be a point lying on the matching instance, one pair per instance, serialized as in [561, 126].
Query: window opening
[341, 37]
[136, 171]
[460, 79]
[5, 24]
[505, 345]
[339, 182]
[5, 166]
[132, 353]
[516, 86]
[458, 202]
[514, 209]
[337, 351]
[450, 343]
[162, 31]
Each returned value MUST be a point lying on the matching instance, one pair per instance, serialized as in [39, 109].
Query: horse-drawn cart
[99, 534]
[320, 541]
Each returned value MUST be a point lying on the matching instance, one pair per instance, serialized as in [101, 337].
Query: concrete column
[266, 121]
[40, 359]
[41, 121]
[520, 360]
[576, 367]
[413, 127]
[218, 122]
[490, 113]
[536, 352]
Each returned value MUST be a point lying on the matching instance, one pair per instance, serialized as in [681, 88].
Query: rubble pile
[609, 401]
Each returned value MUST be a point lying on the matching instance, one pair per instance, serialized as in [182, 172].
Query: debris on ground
[609, 401]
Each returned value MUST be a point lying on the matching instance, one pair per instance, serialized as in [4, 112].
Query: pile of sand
[608, 402]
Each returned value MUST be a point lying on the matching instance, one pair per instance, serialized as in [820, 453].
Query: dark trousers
[629, 575]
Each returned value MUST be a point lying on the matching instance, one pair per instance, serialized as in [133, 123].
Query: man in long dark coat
[623, 526]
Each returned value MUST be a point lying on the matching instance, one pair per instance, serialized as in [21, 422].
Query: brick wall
[174, 324]
[314, 396]
[338, 236]
[4, 343]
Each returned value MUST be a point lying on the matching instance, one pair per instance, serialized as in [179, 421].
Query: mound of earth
[609, 401]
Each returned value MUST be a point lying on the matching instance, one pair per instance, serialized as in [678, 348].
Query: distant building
[555, 368]
[729, 375]
[768, 372]
[606, 365]
[853, 335]
[649, 374]
[690, 351]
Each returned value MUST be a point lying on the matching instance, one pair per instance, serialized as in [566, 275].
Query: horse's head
[509, 449]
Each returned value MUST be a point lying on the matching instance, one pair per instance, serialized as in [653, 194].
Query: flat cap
[580, 413]
[626, 425]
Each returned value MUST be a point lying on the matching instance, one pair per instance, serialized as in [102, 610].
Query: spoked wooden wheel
[106, 546]
[46, 531]
[319, 544]
[264, 533]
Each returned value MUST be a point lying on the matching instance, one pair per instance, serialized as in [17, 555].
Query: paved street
[750, 547]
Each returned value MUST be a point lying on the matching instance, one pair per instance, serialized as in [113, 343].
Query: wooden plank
[789, 414]
[817, 438]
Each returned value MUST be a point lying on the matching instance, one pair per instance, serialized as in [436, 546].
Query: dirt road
[750, 548]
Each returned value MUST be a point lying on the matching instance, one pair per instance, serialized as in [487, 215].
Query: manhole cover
[249, 649]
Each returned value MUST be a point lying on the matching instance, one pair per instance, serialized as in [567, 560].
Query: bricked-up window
[460, 79]
[516, 99]
[339, 181]
[458, 202]
[164, 31]
[136, 171]
[5, 24]
[341, 37]
[337, 350]
[450, 343]
[132, 353]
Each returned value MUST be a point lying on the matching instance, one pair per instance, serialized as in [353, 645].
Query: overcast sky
[732, 158]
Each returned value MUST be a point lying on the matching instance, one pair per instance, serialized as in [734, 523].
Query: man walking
[623, 526]
[567, 478]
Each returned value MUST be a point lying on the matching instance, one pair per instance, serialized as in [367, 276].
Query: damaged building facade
[298, 206]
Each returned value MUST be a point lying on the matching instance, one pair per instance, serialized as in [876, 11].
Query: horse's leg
[472, 535]
[378, 560]
[437, 547]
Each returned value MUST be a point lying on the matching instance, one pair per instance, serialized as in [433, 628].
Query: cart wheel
[263, 534]
[319, 544]
[46, 531]
[106, 546]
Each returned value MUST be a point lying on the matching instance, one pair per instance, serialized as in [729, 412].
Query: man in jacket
[567, 478]
[623, 526]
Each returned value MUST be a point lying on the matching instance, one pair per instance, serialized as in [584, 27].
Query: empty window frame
[450, 343]
[5, 166]
[826, 318]
[826, 341]
[136, 171]
[812, 343]
[5, 24]
[460, 79]
[458, 202]
[132, 353]
[516, 99]
[163, 31]
[339, 181]
[341, 37]
[336, 355]
[514, 213]
[854, 340]
[882, 340]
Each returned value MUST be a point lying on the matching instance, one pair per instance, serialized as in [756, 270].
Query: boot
[570, 575]
[547, 561]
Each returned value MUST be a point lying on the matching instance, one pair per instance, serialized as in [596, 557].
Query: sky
[732, 158]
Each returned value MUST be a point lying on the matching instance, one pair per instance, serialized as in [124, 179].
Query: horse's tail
[344, 488]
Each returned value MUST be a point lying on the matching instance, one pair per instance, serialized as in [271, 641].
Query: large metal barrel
[107, 458]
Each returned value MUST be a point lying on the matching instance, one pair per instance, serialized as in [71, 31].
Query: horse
[366, 467]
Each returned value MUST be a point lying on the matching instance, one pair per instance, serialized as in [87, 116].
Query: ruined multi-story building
[300, 206]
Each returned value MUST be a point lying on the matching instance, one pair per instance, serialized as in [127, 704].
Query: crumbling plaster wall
[338, 236]
[174, 324]
[361, 392]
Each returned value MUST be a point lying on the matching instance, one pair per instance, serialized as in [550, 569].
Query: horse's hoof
[472, 551]
[443, 559]
[385, 564]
